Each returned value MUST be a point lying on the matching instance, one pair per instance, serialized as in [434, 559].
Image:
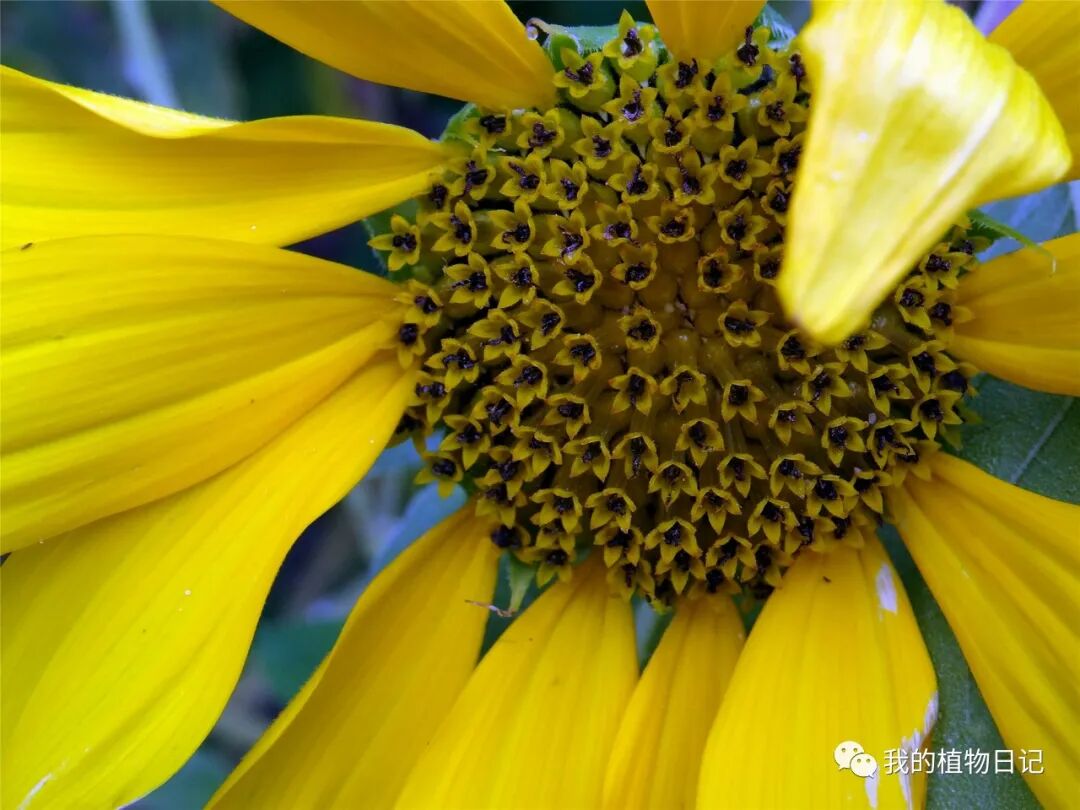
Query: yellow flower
[722, 346]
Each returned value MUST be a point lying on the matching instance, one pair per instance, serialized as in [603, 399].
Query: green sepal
[521, 577]
[455, 127]
[782, 31]
[986, 226]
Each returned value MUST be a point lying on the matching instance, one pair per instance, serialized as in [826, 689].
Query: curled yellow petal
[351, 738]
[133, 367]
[657, 752]
[1004, 565]
[82, 163]
[1025, 324]
[835, 656]
[1042, 38]
[693, 29]
[471, 50]
[915, 118]
[536, 721]
[121, 644]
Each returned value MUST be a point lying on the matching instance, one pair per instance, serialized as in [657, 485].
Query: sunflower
[688, 310]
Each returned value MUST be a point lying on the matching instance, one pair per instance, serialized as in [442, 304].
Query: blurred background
[196, 57]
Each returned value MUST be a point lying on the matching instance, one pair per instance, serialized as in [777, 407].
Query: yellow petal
[692, 29]
[133, 367]
[915, 119]
[471, 50]
[374, 706]
[1004, 565]
[81, 163]
[535, 723]
[1042, 38]
[657, 753]
[1026, 317]
[122, 643]
[835, 656]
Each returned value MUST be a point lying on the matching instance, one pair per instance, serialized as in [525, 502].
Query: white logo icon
[850, 754]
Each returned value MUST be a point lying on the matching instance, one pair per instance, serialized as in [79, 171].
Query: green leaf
[1040, 216]
[1030, 439]
[520, 576]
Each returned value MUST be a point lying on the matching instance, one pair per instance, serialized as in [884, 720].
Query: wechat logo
[849, 754]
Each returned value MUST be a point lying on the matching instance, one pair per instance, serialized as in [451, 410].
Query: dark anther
[665, 591]
[474, 176]
[520, 234]
[789, 161]
[508, 469]
[854, 342]
[686, 73]
[672, 136]
[738, 326]
[748, 51]
[636, 273]
[582, 281]
[937, 264]
[838, 435]
[408, 333]
[736, 229]
[713, 276]
[548, 322]
[557, 557]
[965, 246]
[738, 469]
[633, 110]
[931, 409]
[673, 536]
[425, 304]
[789, 469]
[570, 189]
[541, 136]
[468, 434]
[820, 382]
[716, 110]
[924, 362]
[954, 380]
[798, 69]
[590, 453]
[497, 410]
[805, 527]
[616, 504]
[770, 268]
[583, 75]
[438, 195]
[644, 331]
[882, 383]
[792, 348]
[571, 242]
[637, 185]
[562, 505]
[826, 490]
[690, 185]
[632, 45]
[527, 181]
[620, 539]
[494, 124]
[767, 75]
[464, 361]
[462, 232]
[407, 424]
[477, 282]
[942, 313]
[405, 242]
[763, 556]
[683, 560]
[738, 395]
[775, 111]
[601, 146]
[713, 580]
[584, 353]
[779, 201]
[443, 467]
[786, 416]
[840, 526]
[698, 434]
[435, 390]
[530, 375]
[628, 573]
[911, 298]
[505, 537]
[885, 436]
[862, 485]
[672, 474]
[727, 551]
[673, 228]
[735, 169]
[714, 500]
[617, 230]
[498, 494]
[771, 512]
[571, 410]
[636, 386]
[637, 448]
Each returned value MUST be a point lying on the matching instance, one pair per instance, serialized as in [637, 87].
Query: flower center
[605, 360]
